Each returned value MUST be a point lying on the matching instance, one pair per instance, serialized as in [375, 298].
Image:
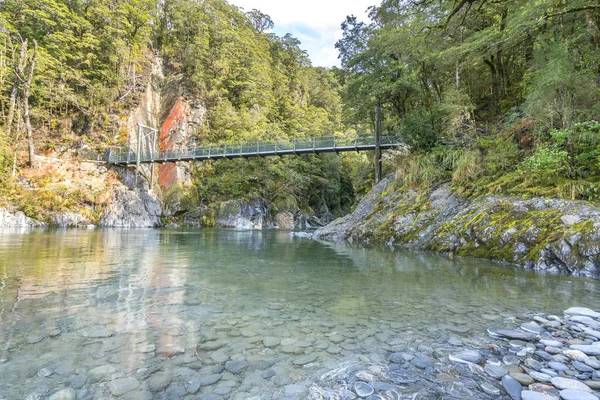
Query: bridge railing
[128, 155]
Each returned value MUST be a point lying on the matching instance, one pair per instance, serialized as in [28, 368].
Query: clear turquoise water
[140, 301]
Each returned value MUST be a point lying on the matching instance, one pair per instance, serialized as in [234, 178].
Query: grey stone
[490, 389]
[236, 366]
[523, 379]
[566, 383]
[511, 334]
[64, 394]
[589, 350]
[512, 387]
[158, 381]
[420, 361]
[270, 341]
[531, 395]
[581, 366]
[211, 379]
[466, 357]
[363, 389]
[586, 312]
[532, 327]
[294, 391]
[573, 394]
[551, 343]
[557, 366]
[495, 371]
[303, 360]
[540, 376]
[120, 386]
[531, 363]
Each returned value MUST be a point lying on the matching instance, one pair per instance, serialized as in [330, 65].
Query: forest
[497, 97]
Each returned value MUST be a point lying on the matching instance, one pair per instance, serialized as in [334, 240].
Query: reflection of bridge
[316, 145]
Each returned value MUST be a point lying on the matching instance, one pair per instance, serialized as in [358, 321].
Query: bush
[546, 160]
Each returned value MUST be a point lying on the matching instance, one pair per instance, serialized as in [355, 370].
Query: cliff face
[542, 234]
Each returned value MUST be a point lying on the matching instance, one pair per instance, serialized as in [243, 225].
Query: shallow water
[167, 309]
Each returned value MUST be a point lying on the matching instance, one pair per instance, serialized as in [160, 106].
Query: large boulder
[69, 219]
[17, 220]
[132, 210]
[542, 234]
[241, 214]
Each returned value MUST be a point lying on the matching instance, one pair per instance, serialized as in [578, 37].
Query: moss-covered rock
[538, 233]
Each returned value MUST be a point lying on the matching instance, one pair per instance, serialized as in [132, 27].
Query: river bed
[220, 314]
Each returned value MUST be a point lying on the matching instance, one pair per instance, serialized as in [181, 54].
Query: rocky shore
[542, 234]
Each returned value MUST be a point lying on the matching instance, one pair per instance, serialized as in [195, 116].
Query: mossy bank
[538, 233]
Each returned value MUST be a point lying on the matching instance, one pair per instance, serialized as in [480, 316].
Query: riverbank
[542, 234]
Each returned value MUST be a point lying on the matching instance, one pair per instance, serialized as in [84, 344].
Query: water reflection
[138, 300]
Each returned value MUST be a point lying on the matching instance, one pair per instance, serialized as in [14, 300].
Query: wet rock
[581, 367]
[295, 391]
[586, 312]
[523, 379]
[490, 389]
[64, 394]
[551, 343]
[558, 366]
[158, 381]
[546, 389]
[586, 321]
[270, 341]
[466, 357]
[573, 394]
[594, 385]
[512, 387]
[511, 334]
[531, 363]
[532, 327]
[119, 387]
[495, 371]
[193, 386]
[575, 354]
[531, 395]
[540, 376]
[588, 350]
[211, 379]
[219, 356]
[363, 389]
[566, 383]
[303, 360]
[511, 360]
[100, 372]
[420, 361]
[236, 366]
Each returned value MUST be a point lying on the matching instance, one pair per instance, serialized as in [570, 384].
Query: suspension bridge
[146, 150]
[317, 145]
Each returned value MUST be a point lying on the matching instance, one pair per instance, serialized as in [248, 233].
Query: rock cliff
[17, 220]
[543, 234]
[131, 210]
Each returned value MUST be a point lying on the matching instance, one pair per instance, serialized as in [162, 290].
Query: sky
[316, 23]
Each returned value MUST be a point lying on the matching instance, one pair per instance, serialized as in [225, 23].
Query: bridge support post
[378, 143]
[138, 156]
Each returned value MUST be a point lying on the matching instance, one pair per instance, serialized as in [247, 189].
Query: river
[214, 314]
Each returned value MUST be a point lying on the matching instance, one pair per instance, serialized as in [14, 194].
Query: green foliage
[4, 153]
[546, 160]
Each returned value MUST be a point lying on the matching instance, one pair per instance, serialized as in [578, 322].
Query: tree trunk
[26, 91]
[19, 67]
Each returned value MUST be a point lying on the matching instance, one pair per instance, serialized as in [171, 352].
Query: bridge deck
[125, 156]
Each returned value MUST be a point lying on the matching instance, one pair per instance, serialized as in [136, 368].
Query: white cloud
[316, 23]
